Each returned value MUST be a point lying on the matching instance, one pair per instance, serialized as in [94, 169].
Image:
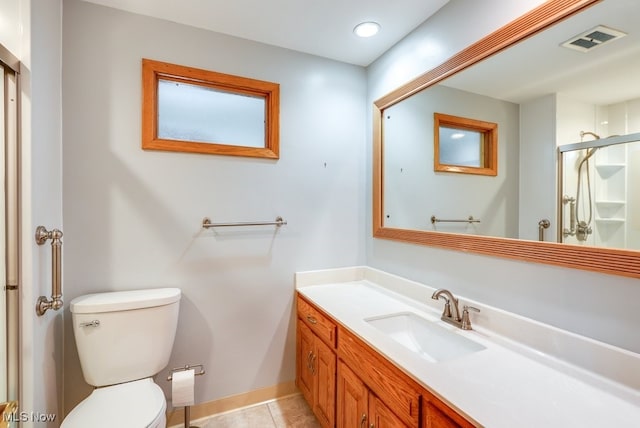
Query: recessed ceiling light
[366, 29]
[457, 135]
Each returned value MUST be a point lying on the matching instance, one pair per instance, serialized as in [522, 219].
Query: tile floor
[287, 412]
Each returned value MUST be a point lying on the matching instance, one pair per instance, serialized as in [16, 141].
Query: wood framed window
[463, 145]
[185, 109]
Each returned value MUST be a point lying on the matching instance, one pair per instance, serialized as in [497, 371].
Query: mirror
[192, 110]
[550, 110]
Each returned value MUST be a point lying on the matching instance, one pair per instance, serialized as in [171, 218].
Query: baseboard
[175, 417]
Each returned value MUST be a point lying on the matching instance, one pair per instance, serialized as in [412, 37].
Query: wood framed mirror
[605, 260]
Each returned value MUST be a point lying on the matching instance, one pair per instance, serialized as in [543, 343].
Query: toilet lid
[136, 404]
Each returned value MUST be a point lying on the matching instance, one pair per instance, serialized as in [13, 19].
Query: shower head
[593, 134]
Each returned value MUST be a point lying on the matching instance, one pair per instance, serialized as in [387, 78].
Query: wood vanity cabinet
[349, 384]
[316, 362]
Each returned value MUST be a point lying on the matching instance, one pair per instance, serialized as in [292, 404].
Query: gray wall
[132, 217]
[594, 305]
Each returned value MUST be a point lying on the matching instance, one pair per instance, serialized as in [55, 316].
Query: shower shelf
[611, 220]
[611, 204]
[608, 210]
[607, 170]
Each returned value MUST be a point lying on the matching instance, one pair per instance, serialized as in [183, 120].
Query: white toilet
[123, 339]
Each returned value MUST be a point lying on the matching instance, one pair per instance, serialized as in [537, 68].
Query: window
[186, 109]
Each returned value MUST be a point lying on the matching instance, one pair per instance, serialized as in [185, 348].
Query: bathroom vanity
[373, 352]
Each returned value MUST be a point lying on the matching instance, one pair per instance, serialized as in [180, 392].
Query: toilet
[123, 339]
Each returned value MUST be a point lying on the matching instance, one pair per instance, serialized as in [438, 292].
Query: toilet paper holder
[187, 367]
[187, 409]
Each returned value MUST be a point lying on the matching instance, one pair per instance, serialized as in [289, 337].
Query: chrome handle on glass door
[55, 303]
[542, 225]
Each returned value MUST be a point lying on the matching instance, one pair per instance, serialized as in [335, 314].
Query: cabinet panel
[352, 399]
[384, 379]
[320, 324]
[358, 406]
[324, 363]
[304, 347]
[380, 416]
[436, 414]
[316, 374]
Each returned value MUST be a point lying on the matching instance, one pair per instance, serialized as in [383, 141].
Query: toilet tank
[123, 336]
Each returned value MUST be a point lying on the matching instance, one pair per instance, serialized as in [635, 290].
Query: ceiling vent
[593, 38]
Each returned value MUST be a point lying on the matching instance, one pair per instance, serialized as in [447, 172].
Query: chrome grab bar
[44, 304]
[571, 231]
[434, 219]
[279, 221]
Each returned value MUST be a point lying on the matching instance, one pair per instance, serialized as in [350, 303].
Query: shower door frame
[598, 143]
[11, 223]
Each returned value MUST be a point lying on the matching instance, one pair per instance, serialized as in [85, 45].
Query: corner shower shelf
[607, 170]
[611, 204]
[611, 220]
[610, 209]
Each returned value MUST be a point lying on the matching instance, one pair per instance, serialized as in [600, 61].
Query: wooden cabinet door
[324, 368]
[304, 374]
[352, 400]
[380, 416]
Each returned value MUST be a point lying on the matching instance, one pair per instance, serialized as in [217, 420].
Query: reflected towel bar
[279, 221]
[434, 219]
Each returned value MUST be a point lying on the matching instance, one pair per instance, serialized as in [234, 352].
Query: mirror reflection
[600, 193]
[572, 83]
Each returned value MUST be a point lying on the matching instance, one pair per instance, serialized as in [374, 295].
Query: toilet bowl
[123, 339]
[133, 404]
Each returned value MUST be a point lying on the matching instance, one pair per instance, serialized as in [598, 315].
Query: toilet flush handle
[94, 323]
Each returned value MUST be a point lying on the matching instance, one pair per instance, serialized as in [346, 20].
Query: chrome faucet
[451, 302]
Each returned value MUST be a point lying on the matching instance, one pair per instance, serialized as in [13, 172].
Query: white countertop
[529, 375]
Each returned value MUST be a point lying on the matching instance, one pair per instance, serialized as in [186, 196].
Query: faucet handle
[466, 322]
[447, 309]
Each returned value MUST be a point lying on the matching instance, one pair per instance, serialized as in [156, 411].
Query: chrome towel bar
[434, 219]
[279, 221]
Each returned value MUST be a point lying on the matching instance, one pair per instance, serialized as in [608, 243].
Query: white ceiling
[318, 27]
[540, 66]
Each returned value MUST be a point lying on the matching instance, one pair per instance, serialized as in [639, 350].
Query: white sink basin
[426, 338]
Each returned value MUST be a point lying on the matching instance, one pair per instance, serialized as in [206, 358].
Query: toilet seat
[138, 404]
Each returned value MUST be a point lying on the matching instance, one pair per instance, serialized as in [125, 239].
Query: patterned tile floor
[287, 412]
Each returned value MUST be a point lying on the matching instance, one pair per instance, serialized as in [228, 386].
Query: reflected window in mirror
[465, 145]
[200, 111]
